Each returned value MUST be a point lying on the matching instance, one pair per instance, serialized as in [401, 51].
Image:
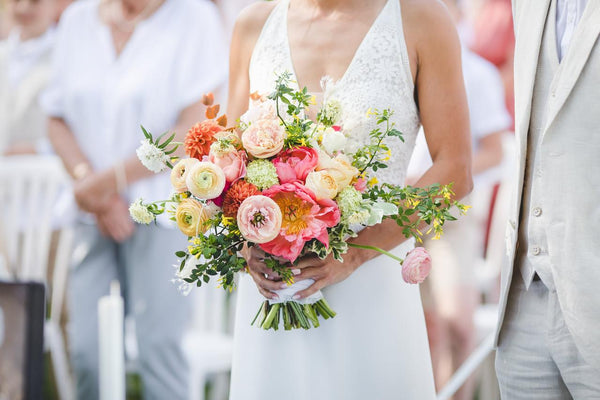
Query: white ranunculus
[152, 157]
[140, 213]
[333, 140]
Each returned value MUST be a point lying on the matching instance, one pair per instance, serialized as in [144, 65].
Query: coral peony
[264, 138]
[206, 180]
[416, 266]
[238, 192]
[191, 217]
[259, 219]
[296, 164]
[179, 174]
[304, 218]
[200, 137]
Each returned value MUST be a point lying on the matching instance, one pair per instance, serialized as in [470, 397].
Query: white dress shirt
[568, 14]
[24, 55]
[170, 61]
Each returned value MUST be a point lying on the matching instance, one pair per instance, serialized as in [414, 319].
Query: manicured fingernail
[284, 286]
[275, 297]
[296, 271]
[296, 297]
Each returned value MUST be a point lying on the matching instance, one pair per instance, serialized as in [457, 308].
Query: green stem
[382, 251]
[271, 316]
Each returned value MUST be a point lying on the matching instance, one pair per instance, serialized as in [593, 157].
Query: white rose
[333, 140]
[322, 184]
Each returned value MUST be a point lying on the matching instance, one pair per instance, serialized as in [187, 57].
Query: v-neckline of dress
[357, 52]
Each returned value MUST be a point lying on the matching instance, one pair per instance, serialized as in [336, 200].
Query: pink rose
[416, 266]
[295, 164]
[233, 163]
[264, 138]
[259, 219]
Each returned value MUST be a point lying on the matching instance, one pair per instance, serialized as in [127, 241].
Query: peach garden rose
[416, 265]
[322, 184]
[259, 219]
[264, 138]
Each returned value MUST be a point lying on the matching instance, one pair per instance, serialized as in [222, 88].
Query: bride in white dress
[397, 54]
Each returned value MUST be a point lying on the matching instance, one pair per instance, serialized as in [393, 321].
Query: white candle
[112, 356]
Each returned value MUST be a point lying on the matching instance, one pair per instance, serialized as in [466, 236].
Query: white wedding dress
[376, 347]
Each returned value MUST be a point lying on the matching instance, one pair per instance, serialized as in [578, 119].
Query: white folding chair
[209, 342]
[29, 186]
[488, 276]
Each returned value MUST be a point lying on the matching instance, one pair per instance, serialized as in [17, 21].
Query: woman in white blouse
[119, 64]
[25, 59]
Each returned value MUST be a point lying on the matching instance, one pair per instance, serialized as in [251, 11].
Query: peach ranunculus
[206, 180]
[416, 266]
[295, 164]
[233, 163]
[304, 218]
[323, 184]
[339, 167]
[259, 219]
[191, 217]
[179, 174]
[260, 109]
[200, 137]
[264, 138]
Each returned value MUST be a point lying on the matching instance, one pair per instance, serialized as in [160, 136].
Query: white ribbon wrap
[288, 293]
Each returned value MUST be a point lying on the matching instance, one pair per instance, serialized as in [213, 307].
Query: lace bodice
[378, 77]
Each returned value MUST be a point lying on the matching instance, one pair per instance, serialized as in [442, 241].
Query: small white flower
[188, 268]
[332, 111]
[333, 140]
[184, 287]
[151, 156]
[140, 213]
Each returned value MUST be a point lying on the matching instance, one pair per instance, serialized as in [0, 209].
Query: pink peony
[416, 266]
[259, 219]
[232, 163]
[304, 218]
[295, 164]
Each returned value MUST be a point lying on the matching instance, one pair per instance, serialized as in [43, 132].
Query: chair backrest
[29, 186]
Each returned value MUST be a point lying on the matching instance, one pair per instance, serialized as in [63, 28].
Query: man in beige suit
[549, 332]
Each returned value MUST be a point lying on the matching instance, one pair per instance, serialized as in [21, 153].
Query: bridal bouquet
[286, 186]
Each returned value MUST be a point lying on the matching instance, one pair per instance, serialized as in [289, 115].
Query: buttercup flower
[295, 164]
[179, 174]
[152, 157]
[233, 163]
[322, 184]
[333, 140]
[140, 213]
[304, 218]
[259, 219]
[206, 180]
[416, 266]
[200, 137]
[262, 174]
[264, 138]
[339, 167]
[191, 217]
[238, 192]
[349, 200]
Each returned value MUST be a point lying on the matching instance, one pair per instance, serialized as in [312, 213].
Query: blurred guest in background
[25, 63]
[119, 64]
[451, 295]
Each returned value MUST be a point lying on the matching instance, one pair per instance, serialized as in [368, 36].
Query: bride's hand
[265, 279]
[324, 272]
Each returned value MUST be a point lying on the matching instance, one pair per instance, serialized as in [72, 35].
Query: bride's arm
[434, 50]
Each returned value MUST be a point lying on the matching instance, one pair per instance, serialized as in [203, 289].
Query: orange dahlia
[200, 137]
[238, 192]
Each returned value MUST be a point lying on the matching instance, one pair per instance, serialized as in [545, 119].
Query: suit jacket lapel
[530, 24]
[581, 46]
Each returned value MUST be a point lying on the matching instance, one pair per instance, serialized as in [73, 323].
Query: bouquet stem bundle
[293, 315]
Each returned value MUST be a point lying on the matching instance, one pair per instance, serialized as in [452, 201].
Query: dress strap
[399, 26]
